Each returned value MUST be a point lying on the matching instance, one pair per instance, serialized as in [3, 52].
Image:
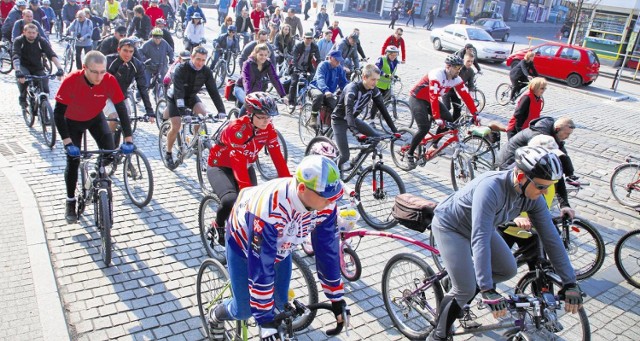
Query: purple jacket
[252, 79]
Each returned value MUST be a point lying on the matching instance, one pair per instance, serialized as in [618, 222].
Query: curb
[50, 309]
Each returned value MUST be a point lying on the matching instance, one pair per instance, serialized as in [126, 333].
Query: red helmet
[261, 103]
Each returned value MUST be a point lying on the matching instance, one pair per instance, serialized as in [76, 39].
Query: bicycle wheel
[202, 159]
[29, 112]
[413, 312]
[212, 287]
[625, 184]
[478, 99]
[68, 59]
[206, 218]
[306, 131]
[627, 257]
[220, 74]
[138, 178]
[316, 140]
[376, 188]
[480, 152]
[160, 107]
[304, 288]
[133, 112]
[209, 62]
[48, 124]
[586, 249]
[350, 266]
[461, 171]
[103, 214]
[162, 144]
[503, 94]
[231, 65]
[6, 64]
[556, 322]
[400, 115]
[400, 147]
[265, 164]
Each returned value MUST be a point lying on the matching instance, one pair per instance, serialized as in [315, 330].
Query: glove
[439, 122]
[361, 137]
[72, 150]
[494, 300]
[60, 73]
[338, 307]
[127, 148]
[19, 74]
[572, 294]
[269, 331]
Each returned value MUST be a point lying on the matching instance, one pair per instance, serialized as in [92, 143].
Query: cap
[35, 2]
[185, 55]
[20, 3]
[231, 28]
[46, 2]
[468, 46]
[320, 175]
[336, 54]
[157, 32]
[126, 41]
[196, 15]
[194, 2]
[308, 34]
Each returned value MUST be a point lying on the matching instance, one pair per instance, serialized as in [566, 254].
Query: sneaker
[216, 328]
[216, 231]
[70, 212]
[168, 158]
[411, 162]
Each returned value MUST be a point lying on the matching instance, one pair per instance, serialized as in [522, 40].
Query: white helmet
[538, 162]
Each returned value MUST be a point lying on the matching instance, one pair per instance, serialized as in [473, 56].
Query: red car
[573, 64]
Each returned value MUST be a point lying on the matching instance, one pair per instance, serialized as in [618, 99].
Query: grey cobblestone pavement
[149, 291]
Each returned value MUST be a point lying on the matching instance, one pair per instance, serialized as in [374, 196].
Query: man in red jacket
[397, 41]
[154, 12]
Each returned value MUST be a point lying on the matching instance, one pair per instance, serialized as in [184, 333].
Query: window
[548, 51]
[569, 53]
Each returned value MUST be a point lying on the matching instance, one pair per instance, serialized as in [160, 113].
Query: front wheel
[478, 99]
[220, 74]
[231, 65]
[585, 248]
[48, 123]
[29, 113]
[376, 188]
[138, 178]
[627, 257]
[208, 233]
[103, 216]
[480, 153]
[400, 113]
[212, 287]
[202, 159]
[410, 299]
[304, 125]
[350, 265]
[161, 106]
[133, 112]
[162, 145]
[6, 64]
[265, 164]
[503, 94]
[461, 171]
[437, 44]
[68, 59]
[304, 288]
[400, 148]
[625, 184]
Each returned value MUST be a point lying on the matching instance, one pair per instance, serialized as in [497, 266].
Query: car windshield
[478, 34]
[485, 23]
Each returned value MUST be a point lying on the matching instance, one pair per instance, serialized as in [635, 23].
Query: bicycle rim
[6, 64]
[201, 166]
[461, 171]
[231, 66]
[304, 288]
[28, 114]
[306, 132]
[264, 163]
[376, 189]
[206, 217]
[162, 144]
[503, 93]
[104, 216]
[478, 99]
[400, 147]
[68, 59]
[586, 248]
[138, 178]
[625, 184]
[480, 153]
[212, 287]
[627, 257]
[160, 107]
[350, 265]
[48, 123]
[413, 312]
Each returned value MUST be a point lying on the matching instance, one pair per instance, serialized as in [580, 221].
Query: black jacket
[188, 81]
[141, 27]
[305, 65]
[460, 53]
[244, 24]
[29, 54]
[523, 70]
[126, 73]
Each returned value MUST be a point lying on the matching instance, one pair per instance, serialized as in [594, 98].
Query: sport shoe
[70, 212]
[216, 328]
[168, 158]
[411, 162]
[216, 231]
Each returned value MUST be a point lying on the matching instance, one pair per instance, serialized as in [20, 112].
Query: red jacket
[5, 8]
[256, 17]
[528, 109]
[238, 146]
[399, 43]
[435, 84]
[154, 12]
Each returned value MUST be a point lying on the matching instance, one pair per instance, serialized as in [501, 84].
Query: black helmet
[261, 103]
[538, 162]
[453, 60]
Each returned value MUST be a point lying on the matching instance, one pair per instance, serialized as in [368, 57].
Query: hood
[543, 125]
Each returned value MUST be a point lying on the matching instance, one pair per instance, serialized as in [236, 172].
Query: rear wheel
[478, 99]
[574, 80]
[265, 164]
[220, 74]
[306, 132]
[208, 234]
[400, 147]
[586, 248]
[625, 184]
[627, 257]
[103, 207]
[400, 115]
[212, 287]
[503, 93]
[376, 188]
[461, 171]
[48, 123]
[162, 144]
[6, 64]
[68, 59]
[138, 178]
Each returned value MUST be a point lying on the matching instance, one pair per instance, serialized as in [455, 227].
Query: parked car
[455, 36]
[570, 63]
[487, 15]
[495, 27]
[295, 4]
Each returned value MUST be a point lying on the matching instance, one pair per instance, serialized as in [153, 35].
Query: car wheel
[574, 80]
[505, 37]
[514, 63]
[437, 44]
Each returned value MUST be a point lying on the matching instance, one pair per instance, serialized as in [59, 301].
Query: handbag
[413, 211]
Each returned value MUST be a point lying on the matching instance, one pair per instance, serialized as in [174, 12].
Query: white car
[455, 36]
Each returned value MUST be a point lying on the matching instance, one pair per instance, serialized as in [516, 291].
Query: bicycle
[323, 122]
[372, 188]
[627, 256]
[478, 96]
[6, 63]
[399, 110]
[470, 153]
[68, 54]
[213, 286]
[222, 67]
[38, 105]
[178, 29]
[301, 91]
[503, 92]
[625, 182]
[132, 96]
[412, 292]
[156, 83]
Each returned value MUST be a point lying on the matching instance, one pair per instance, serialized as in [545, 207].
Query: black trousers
[421, 111]
[225, 187]
[319, 99]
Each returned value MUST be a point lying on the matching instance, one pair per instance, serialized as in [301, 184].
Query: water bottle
[90, 171]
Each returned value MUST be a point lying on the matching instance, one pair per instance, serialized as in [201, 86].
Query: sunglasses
[539, 186]
[201, 50]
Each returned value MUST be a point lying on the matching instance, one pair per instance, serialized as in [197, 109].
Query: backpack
[413, 211]
[96, 34]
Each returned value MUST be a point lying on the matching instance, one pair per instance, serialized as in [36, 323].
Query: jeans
[340, 128]
[238, 91]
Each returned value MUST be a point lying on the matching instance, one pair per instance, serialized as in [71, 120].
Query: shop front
[610, 31]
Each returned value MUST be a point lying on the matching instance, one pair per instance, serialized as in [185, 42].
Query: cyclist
[184, 56]
[522, 73]
[39, 15]
[248, 48]
[426, 106]
[112, 11]
[126, 68]
[225, 43]
[349, 49]
[244, 25]
[27, 60]
[194, 33]
[27, 18]
[49, 12]
[236, 149]
[193, 9]
[154, 12]
[328, 79]
[528, 108]
[325, 45]
[356, 31]
[267, 223]
[276, 20]
[397, 41]
[284, 43]
[79, 102]
[168, 14]
[387, 65]
[257, 17]
[110, 45]
[473, 252]
[140, 26]
[304, 54]
[352, 101]
[188, 79]
[166, 35]
[223, 9]
[228, 21]
[82, 29]
[321, 20]
[335, 31]
[155, 54]
[468, 49]
[451, 99]
[295, 23]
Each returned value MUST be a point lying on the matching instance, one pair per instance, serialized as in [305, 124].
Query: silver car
[455, 36]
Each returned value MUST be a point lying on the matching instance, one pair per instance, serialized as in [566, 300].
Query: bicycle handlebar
[34, 77]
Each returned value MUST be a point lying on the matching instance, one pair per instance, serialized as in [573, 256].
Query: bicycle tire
[133, 112]
[234, 112]
[103, 209]
[480, 152]
[28, 113]
[202, 159]
[68, 59]
[162, 145]
[383, 199]
[525, 286]
[209, 61]
[629, 270]
[206, 216]
[306, 132]
[220, 74]
[212, 287]
[159, 111]
[400, 147]
[6, 64]
[48, 123]
[136, 168]
[586, 247]
[503, 94]
[399, 277]
[461, 171]
[478, 99]
[304, 288]
[625, 182]
[264, 163]
[400, 112]
[350, 266]
[231, 65]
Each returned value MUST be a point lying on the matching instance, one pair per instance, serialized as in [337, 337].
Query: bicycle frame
[360, 233]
